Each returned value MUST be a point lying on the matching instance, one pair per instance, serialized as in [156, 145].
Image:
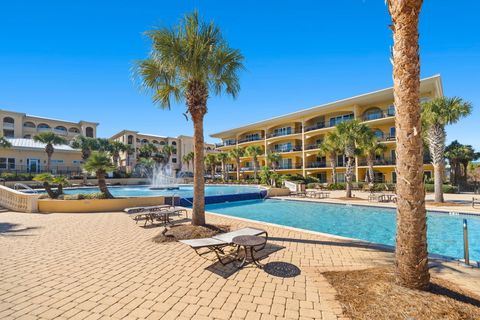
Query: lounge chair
[375, 196]
[218, 243]
[475, 201]
[152, 213]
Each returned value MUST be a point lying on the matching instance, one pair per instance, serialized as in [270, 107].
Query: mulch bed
[443, 204]
[352, 198]
[372, 294]
[188, 231]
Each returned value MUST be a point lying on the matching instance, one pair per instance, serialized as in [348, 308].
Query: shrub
[336, 186]
[447, 188]
[313, 185]
[309, 179]
[12, 176]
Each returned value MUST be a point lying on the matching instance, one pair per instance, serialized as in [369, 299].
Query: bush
[336, 186]
[447, 188]
[11, 176]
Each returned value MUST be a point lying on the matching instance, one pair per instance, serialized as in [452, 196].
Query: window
[394, 177]
[391, 110]
[8, 133]
[29, 124]
[378, 177]
[392, 132]
[77, 162]
[283, 147]
[340, 160]
[27, 136]
[427, 175]
[378, 134]
[341, 177]
[89, 132]
[73, 130]
[339, 119]
[393, 155]
[174, 160]
[322, 177]
[130, 139]
[285, 164]
[174, 143]
[252, 137]
[8, 123]
[56, 162]
[61, 129]
[282, 131]
[372, 114]
[162, 143]
[43, 126]
[7, 163]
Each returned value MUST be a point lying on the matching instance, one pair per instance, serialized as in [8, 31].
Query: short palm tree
[168, 151]
[254, 152]
[4, 143]
[47, 179]
[436, 114]
[223, 157]
[236, 154]
[331, 148]
[370, 148]
[50, 139]
[86, 145]
[349, 135]
[274, 158]
[211, 163]
[188, 158]
[115, 148]
[147, 150]
[411, 266]
[190, 62]
[100, 163]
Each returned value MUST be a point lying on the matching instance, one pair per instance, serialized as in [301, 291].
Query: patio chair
[150, 213]
[475, 201]
[375, 196]
[219, 242]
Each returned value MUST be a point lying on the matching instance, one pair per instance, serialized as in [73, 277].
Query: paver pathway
[92, 266]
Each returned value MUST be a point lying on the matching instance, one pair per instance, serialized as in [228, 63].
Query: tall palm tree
[115, 148]
[254, 152]
[331, 148]
[168, 151]
[459, 155]
[236, 154]
[100, 163]
[189, 62]
[274, 158]
[187, 158]
[223, 157]
[436, 114]
[349, 134]
[86, 145]
[147, 150]
[4, 143]
[50, 139]
[370, 148]
[411, 242]
[129, 150]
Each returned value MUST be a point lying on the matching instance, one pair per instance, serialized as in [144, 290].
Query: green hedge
[447, 188]
[8, 176]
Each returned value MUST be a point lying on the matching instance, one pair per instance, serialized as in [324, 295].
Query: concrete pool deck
[104, 266]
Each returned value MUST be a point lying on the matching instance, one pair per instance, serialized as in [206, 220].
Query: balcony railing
[246, 168]
[379, 162]
[60, 132]
[316, 165]
[249, 139]
[289, 166]
[378, 115]
[313, 146]
[319, 125]
[281, 134]
[8, 125]
[61, 170]
[291, 149]
[226, 143]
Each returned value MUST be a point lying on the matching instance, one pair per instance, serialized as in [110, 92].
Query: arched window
[174, 143]
[130, 139]
[162, 143]
[43, 127]
[154, 141]
[27, 136]
[144, 141]
[89, 132]
[372, 114]
[29, 124]
[73, 130]
[8, 120]
[61, 130]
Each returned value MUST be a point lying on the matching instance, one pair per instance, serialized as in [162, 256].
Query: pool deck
[104, 266]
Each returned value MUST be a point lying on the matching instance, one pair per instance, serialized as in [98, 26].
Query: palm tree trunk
[49, 190]
[238, 169]
[348, 177]
[198, 213]
[436, 144]
[102, 185]
[224, 171]
[333, 164]
[371, 173]
[255, 170]
[411, 242]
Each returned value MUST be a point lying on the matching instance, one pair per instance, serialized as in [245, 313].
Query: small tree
[168, 151]
[50, 139]
[4, 143]
[100, 163]
[47, 179]
[115, 148]
[211, 163]
[188, 158]
[273, 159]
[223, 157]
[330, 148]
[86, 145]
[370, 148]
[254, 152]
[236, 154]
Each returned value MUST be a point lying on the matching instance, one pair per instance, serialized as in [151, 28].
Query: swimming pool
[445, 232]
[184, 191]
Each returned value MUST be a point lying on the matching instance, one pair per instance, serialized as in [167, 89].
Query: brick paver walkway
[92, 266]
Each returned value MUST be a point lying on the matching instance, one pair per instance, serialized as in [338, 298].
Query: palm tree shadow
[12, 229]
[443, 291]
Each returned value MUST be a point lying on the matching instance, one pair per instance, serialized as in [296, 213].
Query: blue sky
[72, 59]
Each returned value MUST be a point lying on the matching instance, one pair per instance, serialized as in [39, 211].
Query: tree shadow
[13, 229]
[458, 296]
[348, 243]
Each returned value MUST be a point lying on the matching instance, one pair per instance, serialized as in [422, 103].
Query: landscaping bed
[372, 294]
[188, 231]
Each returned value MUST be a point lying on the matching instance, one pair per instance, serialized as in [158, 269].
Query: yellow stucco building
[297, 135]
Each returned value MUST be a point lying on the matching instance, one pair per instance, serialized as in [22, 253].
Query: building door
[33, 165]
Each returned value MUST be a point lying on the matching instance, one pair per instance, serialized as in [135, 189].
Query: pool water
[445, 232]
[184, 191]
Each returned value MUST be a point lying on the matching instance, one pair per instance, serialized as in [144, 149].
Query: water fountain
[163, 178]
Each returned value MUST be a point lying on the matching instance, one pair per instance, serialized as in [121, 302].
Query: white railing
[18, 201]
[8, 125]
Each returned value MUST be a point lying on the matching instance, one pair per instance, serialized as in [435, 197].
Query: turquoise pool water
[184, 191]
[445, 232]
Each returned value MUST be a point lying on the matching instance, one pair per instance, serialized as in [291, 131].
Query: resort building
[26, 155]
[297, 136]
[182, 144]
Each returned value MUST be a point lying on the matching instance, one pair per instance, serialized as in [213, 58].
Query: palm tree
[87, 145]
[211, 162]
[254, 152]
[4, 143]
[370, 148]
[187, 158]
[47, 179]
[100, 163]
[331, 148]
[436, 114]
[223, 157]
[50, 139]
[459, 155]
[189, 62]
[274, 158]
[168, 151]
[129, 150]
[115, 148]
[411, 242]
[349, 135]
[147, 150]
[236, 154]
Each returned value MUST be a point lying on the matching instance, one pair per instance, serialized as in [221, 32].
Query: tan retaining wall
[18, 201]
[96, 205]
[278, 192]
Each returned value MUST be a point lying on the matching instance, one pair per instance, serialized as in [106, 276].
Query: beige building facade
[297, 136]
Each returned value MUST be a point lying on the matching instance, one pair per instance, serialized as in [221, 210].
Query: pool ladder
[466, 253]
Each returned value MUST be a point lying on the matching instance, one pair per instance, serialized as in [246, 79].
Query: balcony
[291, 149]
[281, 134]
[316, 165]
[313, 146]
[319, 125]
[378, 115]
[226, 143]
[249, 139]
[44, 129]
[289, 166]
[60, 132]
[246, 168]
[379, 162]
[8, 125]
